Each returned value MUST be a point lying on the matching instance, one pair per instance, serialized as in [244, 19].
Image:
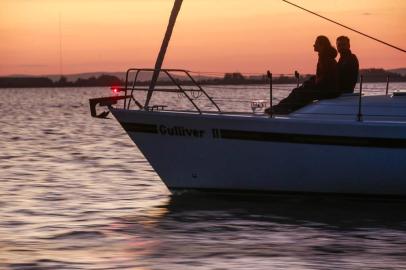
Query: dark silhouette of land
[401, 71]
[26, 82]
[370, 75]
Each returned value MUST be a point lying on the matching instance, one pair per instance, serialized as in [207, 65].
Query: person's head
[322, 45]
[343, 44]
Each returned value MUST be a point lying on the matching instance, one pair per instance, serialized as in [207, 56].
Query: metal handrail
[204, 92]
[178, 88]
[132, 91]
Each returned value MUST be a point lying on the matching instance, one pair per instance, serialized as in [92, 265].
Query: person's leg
[311, 94]
[300, 97]
[305, 97]
[285, 105]
[292, 96]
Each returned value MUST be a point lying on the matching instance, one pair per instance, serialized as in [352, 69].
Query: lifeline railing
[189, 93]
[191, 90]
[361, 78]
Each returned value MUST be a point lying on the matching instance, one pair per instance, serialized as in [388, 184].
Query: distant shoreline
[105, 80]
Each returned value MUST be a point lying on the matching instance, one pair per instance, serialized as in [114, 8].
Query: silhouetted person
[321, 86]
[348, 66]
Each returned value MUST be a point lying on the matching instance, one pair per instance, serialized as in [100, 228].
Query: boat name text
[180, 131]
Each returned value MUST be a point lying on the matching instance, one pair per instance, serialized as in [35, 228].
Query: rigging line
[222, 73]
[243, 73]
[349, 28]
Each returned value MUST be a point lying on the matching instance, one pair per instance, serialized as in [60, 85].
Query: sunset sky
[210, 35]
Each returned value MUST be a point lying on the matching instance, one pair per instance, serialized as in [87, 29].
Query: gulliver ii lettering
[180, 131]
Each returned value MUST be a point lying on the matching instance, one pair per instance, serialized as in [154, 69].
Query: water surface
[76, 193]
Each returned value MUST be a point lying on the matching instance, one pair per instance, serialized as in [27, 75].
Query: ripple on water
[46, 264]
[79, 235]
[76, 193]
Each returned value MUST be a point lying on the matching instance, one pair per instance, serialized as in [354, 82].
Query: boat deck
[380, 108]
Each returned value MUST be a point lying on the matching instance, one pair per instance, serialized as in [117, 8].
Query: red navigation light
[115, 89]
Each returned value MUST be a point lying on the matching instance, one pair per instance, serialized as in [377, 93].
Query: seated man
[348, 66]
[321, 86]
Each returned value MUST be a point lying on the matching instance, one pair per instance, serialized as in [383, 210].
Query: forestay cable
[349, 28]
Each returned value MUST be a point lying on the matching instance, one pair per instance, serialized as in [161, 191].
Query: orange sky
[210, 35]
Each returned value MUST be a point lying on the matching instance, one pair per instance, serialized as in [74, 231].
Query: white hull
[256, 153]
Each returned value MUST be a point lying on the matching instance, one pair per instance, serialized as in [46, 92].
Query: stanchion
[387, 85]
[359, 116]
[270, 92]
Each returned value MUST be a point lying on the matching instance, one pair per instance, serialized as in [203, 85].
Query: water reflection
[321, 211]
[226, 232]
[77, 194]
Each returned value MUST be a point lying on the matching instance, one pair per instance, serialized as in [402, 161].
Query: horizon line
[191, 71]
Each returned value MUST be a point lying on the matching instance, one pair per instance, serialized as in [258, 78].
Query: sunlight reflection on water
[77, 194]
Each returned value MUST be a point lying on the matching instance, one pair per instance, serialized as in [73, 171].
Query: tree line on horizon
[369, 75]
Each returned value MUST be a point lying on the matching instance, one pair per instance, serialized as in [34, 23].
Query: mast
[162, 52]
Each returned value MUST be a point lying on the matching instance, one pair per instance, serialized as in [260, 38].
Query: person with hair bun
[322, 86]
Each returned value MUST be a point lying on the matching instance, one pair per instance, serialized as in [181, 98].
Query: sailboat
[352, 144]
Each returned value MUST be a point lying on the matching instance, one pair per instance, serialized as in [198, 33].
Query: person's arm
[349, 70]
[324, 73]
[327, 79]
[309, 82]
